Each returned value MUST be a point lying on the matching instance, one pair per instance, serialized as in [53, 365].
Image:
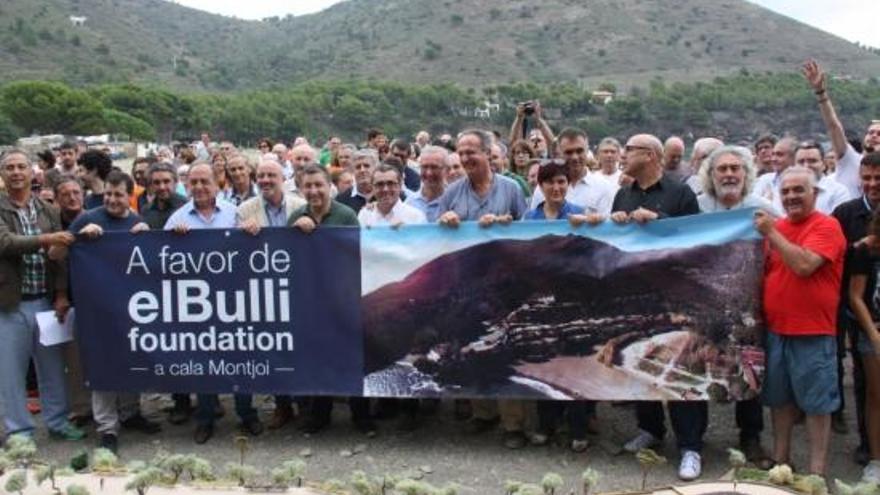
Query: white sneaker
[643, 440]
[691, 466]
[871, 473]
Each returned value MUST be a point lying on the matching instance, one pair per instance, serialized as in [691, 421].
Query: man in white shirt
[782, 157]
[388, 208]
[585, 189]
[608, 155]
[848, 159]
[831, 193]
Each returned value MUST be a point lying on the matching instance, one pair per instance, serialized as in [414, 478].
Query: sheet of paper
[52, 332]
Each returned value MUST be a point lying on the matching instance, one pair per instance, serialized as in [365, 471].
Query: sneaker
[539, 439]
[68, 432]
[691, 466]
[643, 440]
[579, 445]
[110, 442]
[139, 423]
[514, 439]
[871, 473]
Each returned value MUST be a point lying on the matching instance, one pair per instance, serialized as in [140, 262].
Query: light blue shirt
[277, 216]
[431, 209]
[222, 218]
[504, 198]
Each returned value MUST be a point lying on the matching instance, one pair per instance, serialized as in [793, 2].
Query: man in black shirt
[650, 196]
[854, 216]
[163, 179]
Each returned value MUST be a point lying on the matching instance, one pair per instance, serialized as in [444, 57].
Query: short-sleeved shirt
[667, 197]
[865, 262]
[504, 198]
[109, 223]
[223, 217]
[566, 210]
[431, 208]
[339, 215]
[156, 213]
[400, 213]
[591, 193]
[801, 306]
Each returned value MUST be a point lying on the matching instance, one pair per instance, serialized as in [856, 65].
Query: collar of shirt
[355, 192]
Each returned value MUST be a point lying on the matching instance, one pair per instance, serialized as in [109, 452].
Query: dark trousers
[283, 401]
[749, 419]
[322, 408]
[550, 413]
[208, 405]
[181, 401]
[847, 326]
[689, 420]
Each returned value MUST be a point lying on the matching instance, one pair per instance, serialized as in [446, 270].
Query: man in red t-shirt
[804, 265]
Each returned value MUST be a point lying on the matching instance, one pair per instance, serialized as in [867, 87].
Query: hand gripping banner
[670, 310]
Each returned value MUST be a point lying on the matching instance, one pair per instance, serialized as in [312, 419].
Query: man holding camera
[541, 137]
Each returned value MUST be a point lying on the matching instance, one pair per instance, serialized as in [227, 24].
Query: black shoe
[408, 422]
[480, 425]
[253, 427]
[365, 426]
[109, 442]
[314, 425]
[755, 454]
[139, 423]
[203, 433]
[179, 415]
[81, 421]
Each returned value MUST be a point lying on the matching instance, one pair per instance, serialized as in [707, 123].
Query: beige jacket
[254, 208]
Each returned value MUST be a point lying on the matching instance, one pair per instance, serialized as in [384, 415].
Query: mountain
[466, 296]
[471, 42]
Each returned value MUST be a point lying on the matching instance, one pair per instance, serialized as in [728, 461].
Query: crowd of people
[815, 207]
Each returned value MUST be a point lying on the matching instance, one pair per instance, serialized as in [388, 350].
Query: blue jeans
[208, 405]
[19, 342]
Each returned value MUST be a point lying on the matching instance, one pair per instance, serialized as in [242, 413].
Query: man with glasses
[388, 208]
[650, 196]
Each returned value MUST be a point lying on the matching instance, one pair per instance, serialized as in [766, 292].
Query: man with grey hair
[433, 172]
[727, 177]
[608, 155]
[804, 254]
[363, 162]
[300, 156]
[703, 147]
[280, 151]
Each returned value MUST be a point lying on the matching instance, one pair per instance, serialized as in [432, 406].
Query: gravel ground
[442, 451]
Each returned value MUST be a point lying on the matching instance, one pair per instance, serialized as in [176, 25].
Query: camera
[528, 107]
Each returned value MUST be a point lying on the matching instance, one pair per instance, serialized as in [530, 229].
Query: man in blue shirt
[206, 211]
[109, 408]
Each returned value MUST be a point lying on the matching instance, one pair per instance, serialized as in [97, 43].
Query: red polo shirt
[796, 305]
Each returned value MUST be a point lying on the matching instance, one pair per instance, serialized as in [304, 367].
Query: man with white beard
[727, 179]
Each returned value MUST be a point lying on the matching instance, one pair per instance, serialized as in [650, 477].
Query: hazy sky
[854, 20]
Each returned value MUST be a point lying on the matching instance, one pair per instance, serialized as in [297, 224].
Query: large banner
[670, 310]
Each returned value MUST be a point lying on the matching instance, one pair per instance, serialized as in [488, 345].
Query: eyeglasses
[390, 184]
[635, 147]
